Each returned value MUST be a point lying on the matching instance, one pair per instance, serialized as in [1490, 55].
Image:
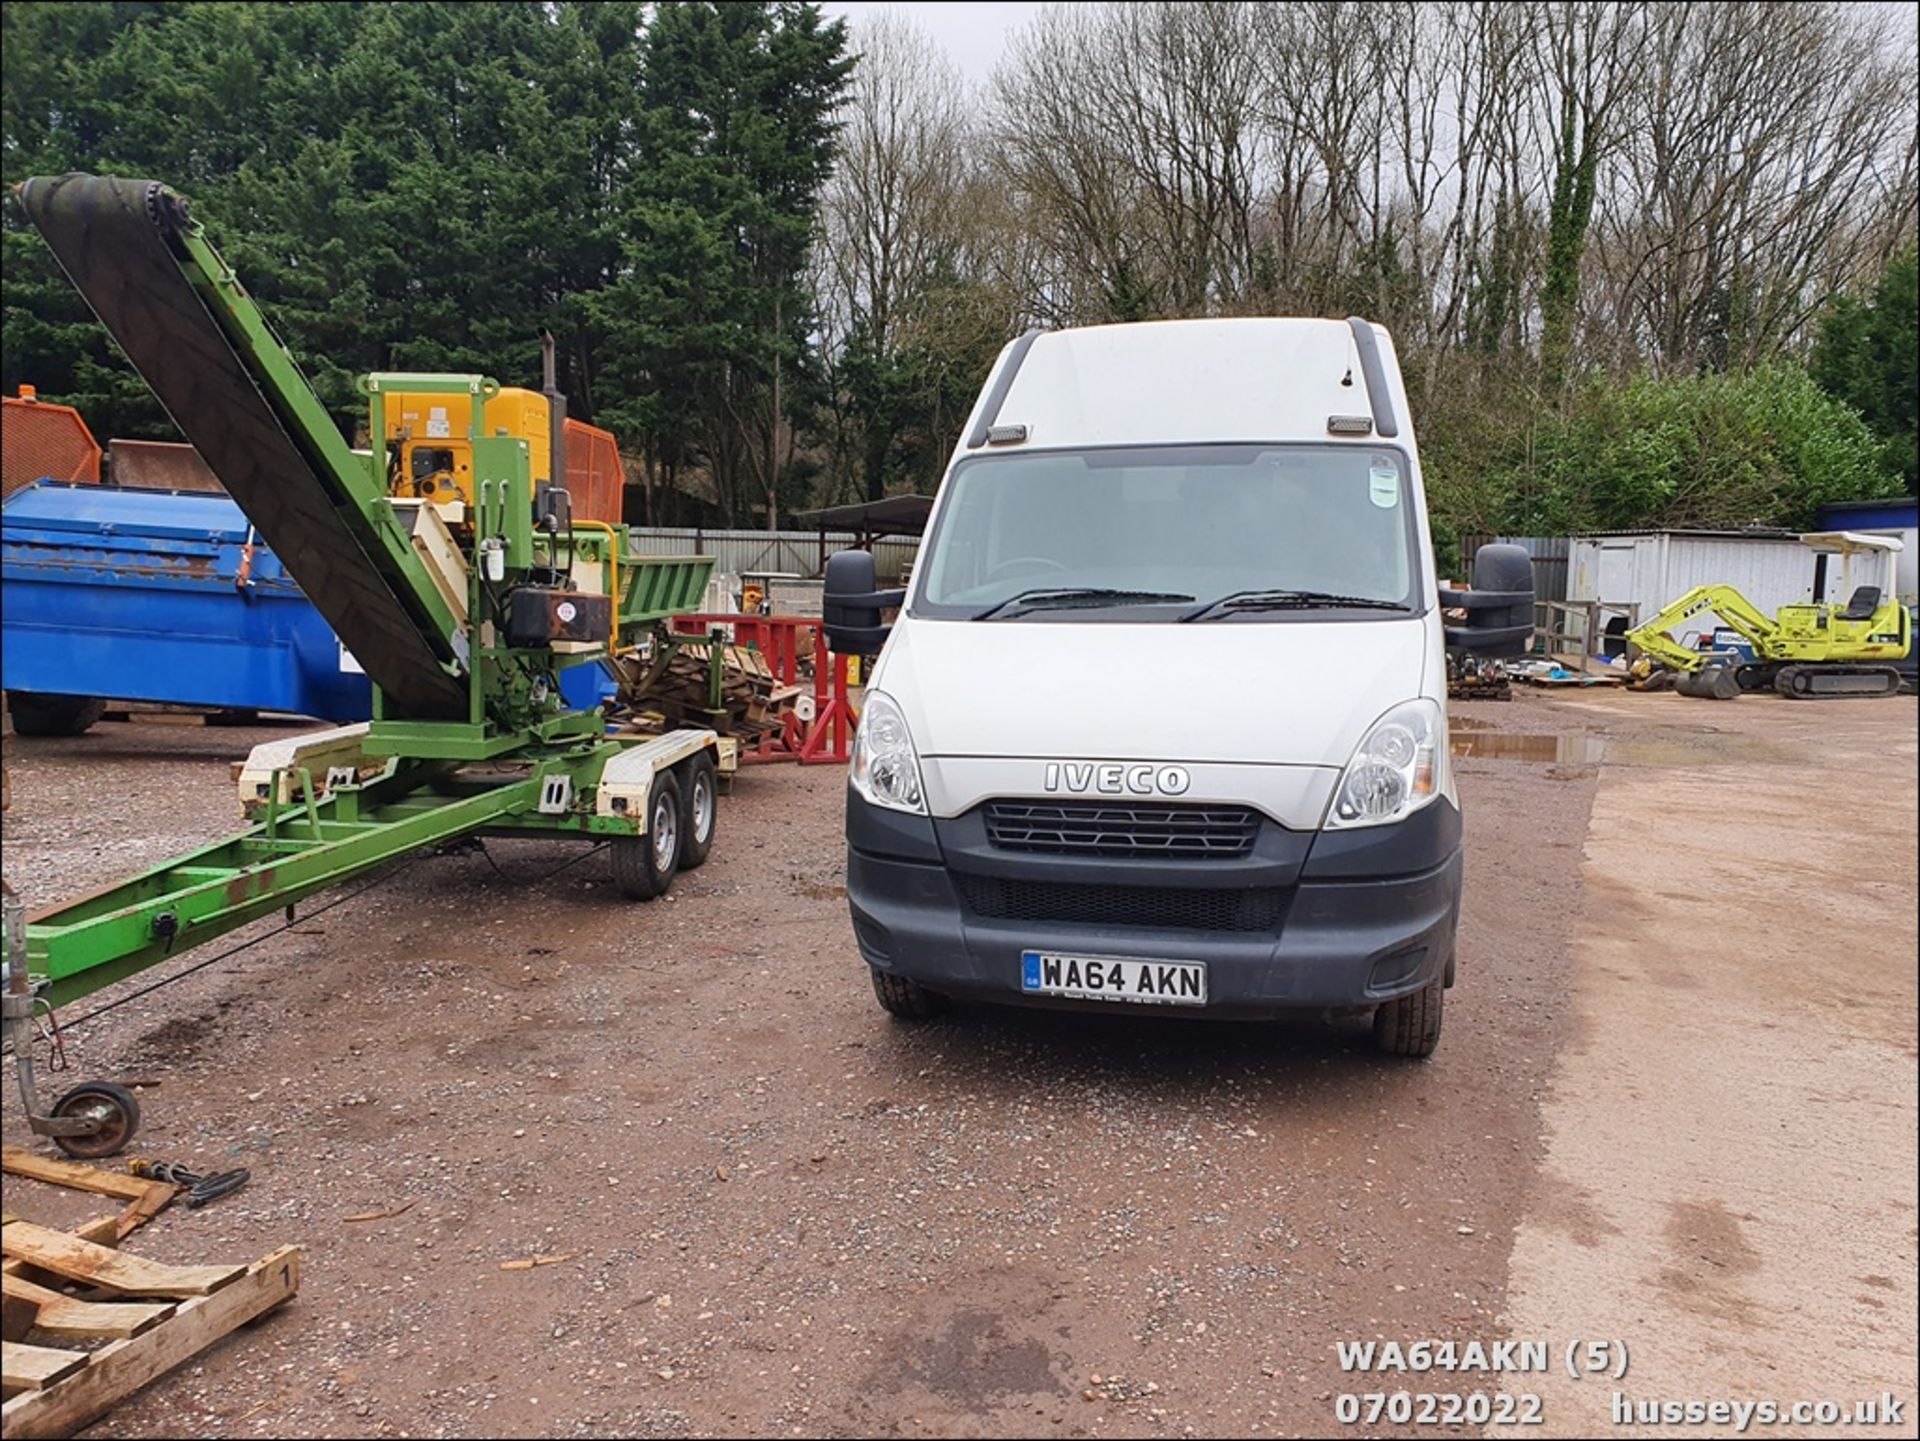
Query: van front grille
[1121, 831]
[1157, 907]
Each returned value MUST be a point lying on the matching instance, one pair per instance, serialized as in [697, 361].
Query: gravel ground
[1731, 1181]
[781, 1212]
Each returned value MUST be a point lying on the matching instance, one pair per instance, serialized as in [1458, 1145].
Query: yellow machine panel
[435, 459]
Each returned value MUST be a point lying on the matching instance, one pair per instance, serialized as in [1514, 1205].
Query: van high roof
[1194, 381]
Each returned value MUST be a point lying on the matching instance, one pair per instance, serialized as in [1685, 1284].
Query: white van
[1162, 721]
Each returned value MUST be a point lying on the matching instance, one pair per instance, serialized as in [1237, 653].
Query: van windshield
[1250, 532]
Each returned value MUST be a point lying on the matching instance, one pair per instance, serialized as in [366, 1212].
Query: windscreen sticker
[1383, 487]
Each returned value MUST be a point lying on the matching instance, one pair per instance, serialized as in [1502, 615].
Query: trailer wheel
[702, 795]
[1410, 1025]
[643, 866]
[118, 1112]
[53, 715]
[906, 1000]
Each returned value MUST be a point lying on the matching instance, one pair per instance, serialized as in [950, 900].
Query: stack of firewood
[754, 702]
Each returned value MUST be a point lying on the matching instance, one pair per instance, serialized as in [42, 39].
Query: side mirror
[1499, 607]
[850, 606]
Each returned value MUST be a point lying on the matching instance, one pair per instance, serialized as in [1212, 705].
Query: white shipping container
[1652, 569]
[1906, 564]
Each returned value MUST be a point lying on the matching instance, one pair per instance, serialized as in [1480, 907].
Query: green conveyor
[197, 338]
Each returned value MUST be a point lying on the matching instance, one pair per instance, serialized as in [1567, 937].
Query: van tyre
[643, 866]
[1409, 1025]
[53, 715]
[906, 1000]
[701, 784]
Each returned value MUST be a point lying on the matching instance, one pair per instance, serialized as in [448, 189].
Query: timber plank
[16, 1317]
[70, 1317]
[56, 1172]
[103, 1229]
[78, 1260]
[29, 1368]
[159, 1196]
[146, 1198]
[123, 1367]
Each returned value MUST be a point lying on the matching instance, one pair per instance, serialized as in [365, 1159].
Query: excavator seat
[1864, 602]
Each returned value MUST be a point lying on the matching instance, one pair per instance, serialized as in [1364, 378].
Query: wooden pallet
[148, 1316]
[753, 702]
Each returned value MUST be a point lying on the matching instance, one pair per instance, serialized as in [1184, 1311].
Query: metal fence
[1581, 630]
[747, 552]
[1550, 559]
[805, 552]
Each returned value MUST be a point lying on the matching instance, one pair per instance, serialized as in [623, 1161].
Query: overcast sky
[974, 32]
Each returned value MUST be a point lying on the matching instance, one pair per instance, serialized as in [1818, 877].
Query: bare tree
[1512, 185]
[1591, 52]
[1129, 133]
[889, 223]
[1755, 180]
[889, 208]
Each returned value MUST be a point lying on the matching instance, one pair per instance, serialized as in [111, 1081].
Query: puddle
[1669, 748]
[1539, 749]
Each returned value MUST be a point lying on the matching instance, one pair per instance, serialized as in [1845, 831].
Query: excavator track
[121, 243]
[1836, 682]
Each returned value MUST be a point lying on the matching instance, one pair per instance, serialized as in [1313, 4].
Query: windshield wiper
[1247, 600]
[1080, 597]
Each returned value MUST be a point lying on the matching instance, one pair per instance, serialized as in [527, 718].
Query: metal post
[377, 435]
[476, 650]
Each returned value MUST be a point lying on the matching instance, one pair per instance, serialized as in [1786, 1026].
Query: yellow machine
[1815, 651]
[429, 438]
[429, 449]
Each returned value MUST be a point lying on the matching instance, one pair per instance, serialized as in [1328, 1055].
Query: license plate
[1112, 978]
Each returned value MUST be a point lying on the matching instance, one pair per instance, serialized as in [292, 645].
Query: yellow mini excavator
[1814, 651]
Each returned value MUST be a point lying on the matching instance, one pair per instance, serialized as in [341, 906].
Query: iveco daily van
[1162, 718]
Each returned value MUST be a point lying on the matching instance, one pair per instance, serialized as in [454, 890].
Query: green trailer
[462, 616]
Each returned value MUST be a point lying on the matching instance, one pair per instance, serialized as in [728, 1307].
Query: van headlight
[884, 769]
[1395, 770]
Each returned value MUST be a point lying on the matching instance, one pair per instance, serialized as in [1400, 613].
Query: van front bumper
[1310, 920]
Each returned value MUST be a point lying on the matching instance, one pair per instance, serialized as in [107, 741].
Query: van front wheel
[906, 1000]
[1410, 1025]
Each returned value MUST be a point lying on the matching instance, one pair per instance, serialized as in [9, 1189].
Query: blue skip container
[148, 595]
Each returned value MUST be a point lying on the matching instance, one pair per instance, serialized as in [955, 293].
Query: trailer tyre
[906, 1000]
[1410, 1025]
[701, 782]
[118, 1113]
[643, 866]
[53, 715]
